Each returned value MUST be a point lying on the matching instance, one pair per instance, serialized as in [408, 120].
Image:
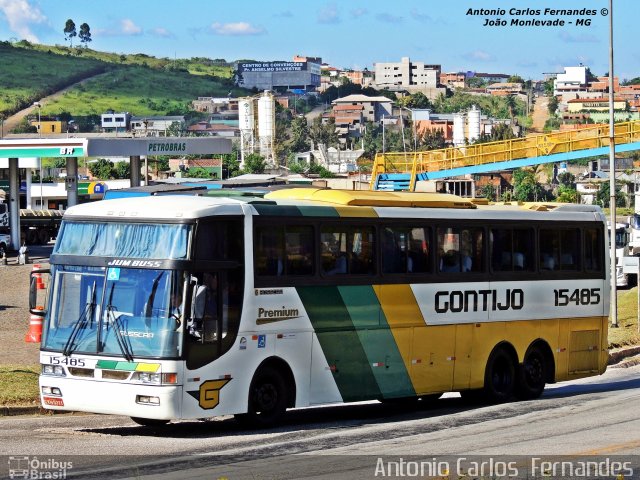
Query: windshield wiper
[80, 322]
[152, 295]
[122, 343]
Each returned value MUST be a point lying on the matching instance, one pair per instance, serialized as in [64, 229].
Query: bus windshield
[132, 240]
[126, 312]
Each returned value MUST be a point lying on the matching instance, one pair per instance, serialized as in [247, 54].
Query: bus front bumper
[162, 402]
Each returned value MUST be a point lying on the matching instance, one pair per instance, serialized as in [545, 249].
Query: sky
[347, 33]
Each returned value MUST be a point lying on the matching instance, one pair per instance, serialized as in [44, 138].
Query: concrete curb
[12, 411]
[615, 361]
[615, 356]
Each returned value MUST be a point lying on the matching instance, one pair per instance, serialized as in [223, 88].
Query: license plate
[56, 402]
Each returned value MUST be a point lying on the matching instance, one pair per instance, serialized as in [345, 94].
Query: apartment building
[410, 76]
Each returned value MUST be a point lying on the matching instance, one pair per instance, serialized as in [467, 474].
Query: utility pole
[612, 181]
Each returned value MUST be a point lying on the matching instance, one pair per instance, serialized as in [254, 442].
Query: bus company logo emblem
[120, 262]
[209, 393]
[276, 315]
[243, 343]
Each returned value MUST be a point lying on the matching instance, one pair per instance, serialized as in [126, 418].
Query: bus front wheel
[267, 399]
[532, 375]
[500, 377]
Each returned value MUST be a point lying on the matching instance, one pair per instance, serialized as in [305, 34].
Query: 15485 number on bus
[579, 296]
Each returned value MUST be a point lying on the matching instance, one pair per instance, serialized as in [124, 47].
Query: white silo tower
[267, 127]
[247, 121]
[458, 130]
[474, 124]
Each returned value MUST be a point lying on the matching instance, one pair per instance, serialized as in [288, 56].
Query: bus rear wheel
[532, 375]
[267, 399]
[149, 422]
[500, 377]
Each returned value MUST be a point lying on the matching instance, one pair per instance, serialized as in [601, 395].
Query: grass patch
[627, 332]
[139, 83]
[139, 90]
[19, 385]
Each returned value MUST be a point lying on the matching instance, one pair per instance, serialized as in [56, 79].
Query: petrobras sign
[446, 303]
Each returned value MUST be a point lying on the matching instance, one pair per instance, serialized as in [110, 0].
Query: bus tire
[268, 399]
[149, 422]
[499, 377]
[532, 374]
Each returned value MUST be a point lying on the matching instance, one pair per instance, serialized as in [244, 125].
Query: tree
[417, 100]
[254, 163]
[567, 194]
[567, 179]
[548, 87]
[499, 132]
[431, 140]
[602, 197]
[510, 102]
[102, 169]
[197, 172]
[372, 139]
[476, 82]
[70, 31]
[525, 186]
[515, 79]
[85, 34]
[553, 105]
[488, 192]
[324, 133]
[299, 140]
[122, 170]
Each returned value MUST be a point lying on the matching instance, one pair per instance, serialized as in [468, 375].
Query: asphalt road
[595, 416]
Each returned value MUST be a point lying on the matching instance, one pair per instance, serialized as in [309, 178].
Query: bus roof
[331, 203]
[365, 198]
[157, 207]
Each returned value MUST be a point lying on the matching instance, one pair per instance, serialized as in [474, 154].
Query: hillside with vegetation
[140, 84]
[28, 75]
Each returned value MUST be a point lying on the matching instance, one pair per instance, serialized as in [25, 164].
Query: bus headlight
[55, 370]
[52, 391]
[155, 378]
[146, 377]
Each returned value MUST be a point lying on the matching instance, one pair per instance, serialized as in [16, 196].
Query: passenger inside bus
[205, 309]
[337, 262]
[175, 311]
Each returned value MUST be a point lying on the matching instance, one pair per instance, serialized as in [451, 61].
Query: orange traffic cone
[38, 276]
[34, 334]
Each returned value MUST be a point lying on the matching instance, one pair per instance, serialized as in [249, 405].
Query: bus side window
[570, 249]
[269, 251]
[460, 249]
[299, 247]
[593, 250]
[549, 249]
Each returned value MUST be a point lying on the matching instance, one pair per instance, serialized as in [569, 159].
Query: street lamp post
[37, 104]
[612, 180]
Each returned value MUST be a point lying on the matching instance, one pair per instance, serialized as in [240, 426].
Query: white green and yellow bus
[184, 307]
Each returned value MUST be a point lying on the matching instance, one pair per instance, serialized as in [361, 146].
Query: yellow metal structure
[595, 136]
